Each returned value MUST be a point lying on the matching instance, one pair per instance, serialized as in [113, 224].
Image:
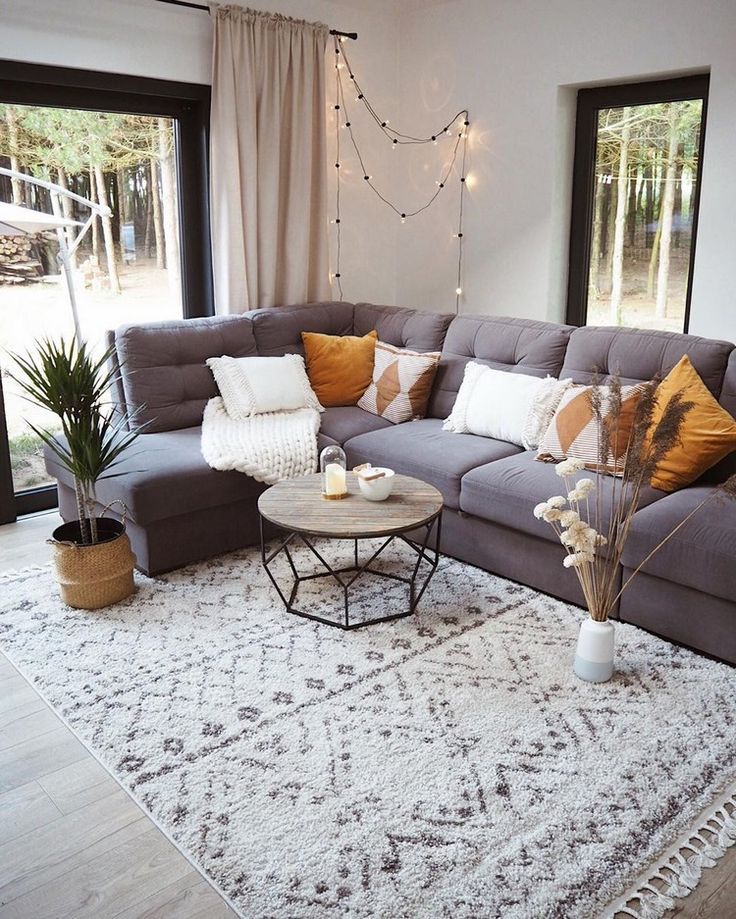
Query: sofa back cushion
[637, 355]
[278, 329]
[727, 466]
[165, 381]
[516, 345]
[117, 394]
[728, 390]
[403, 328]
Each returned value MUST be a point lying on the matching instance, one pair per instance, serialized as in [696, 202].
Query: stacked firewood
[18, 262]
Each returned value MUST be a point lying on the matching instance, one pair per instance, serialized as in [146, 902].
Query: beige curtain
[268, 160]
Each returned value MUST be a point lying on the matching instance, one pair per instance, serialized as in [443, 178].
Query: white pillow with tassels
[256, 385]
[514, 407]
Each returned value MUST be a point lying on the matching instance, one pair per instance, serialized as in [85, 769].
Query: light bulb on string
[450, 169]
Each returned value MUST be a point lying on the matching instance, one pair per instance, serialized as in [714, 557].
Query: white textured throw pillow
[514, 407]
[543, 410]
[256, 385]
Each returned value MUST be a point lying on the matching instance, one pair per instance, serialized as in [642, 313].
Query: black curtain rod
[199, 6]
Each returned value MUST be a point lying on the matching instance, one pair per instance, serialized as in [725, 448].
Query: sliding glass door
[136, 147]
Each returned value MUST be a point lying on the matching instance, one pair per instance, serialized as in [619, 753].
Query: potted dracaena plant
[594, 529]
[92, 554]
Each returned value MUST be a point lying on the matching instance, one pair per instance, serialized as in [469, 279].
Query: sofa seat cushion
[423, 450]
[507, 491]
[164, 475]
[341, 422]
[701, 555]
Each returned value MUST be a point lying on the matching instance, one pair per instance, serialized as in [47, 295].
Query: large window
[137, 146]
[636, 188]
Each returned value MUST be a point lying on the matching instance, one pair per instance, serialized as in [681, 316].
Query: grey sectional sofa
[180, 510]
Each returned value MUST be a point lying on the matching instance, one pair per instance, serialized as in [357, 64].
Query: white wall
[515, 64]
[150, 39]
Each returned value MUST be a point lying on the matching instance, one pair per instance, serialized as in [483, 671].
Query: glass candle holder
[333, 466]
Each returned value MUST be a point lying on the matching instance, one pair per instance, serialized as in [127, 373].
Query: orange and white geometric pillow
[402, 381]
[574, 431]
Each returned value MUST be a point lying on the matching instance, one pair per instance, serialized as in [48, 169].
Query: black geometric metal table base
[427, 552]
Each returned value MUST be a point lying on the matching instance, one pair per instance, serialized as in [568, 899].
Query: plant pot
[594, 655]
[92, 577]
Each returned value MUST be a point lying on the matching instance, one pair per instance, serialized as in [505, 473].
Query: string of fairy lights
[458, 127]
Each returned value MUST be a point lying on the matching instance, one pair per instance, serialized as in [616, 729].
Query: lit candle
[335, 481]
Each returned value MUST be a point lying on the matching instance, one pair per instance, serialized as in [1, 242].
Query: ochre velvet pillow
[339, 367]
[708, 431]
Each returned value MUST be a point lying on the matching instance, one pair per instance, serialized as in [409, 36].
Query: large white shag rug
[445, 765]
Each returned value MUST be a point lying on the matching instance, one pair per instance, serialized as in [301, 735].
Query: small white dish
[377, 489]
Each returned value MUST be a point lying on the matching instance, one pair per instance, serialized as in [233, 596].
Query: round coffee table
[297, 507]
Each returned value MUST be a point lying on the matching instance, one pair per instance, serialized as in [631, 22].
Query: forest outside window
[636, 189]
[133, 147]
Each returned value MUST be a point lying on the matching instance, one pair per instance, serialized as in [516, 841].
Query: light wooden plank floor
[73, 844]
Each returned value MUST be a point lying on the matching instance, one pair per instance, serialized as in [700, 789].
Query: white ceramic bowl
[378, 489]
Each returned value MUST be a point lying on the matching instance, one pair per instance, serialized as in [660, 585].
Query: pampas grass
[593, 554]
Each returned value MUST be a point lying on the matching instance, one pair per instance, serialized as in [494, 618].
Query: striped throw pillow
[574, 431]
[402, 381]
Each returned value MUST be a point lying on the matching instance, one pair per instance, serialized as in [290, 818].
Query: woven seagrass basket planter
[92, 577]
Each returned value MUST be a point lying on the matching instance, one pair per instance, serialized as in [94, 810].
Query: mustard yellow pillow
[708, 431]
[339, 367]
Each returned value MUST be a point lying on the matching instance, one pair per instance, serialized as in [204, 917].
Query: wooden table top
[298, 505]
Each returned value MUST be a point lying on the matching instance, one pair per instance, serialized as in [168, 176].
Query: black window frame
[589, 102]
[23, 83]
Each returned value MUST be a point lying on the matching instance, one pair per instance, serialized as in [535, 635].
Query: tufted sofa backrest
[515, 345]
[278, 329]
[726, 467]
[637, 355]
[164, 381]
[728, 390]
[401, 327]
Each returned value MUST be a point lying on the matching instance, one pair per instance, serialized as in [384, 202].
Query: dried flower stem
[597, 568]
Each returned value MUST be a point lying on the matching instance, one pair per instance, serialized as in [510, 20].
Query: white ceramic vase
[594, 655]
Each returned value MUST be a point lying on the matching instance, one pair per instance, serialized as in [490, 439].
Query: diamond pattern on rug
[445, 765]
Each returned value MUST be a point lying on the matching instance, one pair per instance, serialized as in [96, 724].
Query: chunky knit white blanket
[268, 447]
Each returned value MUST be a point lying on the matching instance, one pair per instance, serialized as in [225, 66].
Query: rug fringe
[680, 869]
